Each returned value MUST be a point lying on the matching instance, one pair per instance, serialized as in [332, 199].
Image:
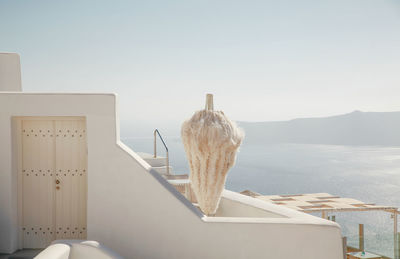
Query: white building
[65, 174]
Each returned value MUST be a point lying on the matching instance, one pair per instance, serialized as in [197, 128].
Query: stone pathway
[21, 254]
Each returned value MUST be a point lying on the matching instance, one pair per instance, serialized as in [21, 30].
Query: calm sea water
[370, 174]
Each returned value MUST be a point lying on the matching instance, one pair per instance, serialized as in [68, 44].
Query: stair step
[153, 161]
[156, 162]
[162, 170]
[177, 177]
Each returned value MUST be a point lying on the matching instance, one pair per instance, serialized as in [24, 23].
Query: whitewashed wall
[135, 212]
[10, 72]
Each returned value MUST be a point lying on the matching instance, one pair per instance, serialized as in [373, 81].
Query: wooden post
[361, 236]
[396, 236]
[209, 102]
[397, 246]
[323, 215]
[344, 241]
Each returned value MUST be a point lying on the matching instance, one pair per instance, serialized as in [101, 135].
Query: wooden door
[70, 180]
[53, 179]
[38, 164]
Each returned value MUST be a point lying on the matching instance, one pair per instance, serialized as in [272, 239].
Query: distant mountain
[145, 129]
[356, 128]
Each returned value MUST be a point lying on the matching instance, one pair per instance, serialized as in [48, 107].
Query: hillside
[356, 128]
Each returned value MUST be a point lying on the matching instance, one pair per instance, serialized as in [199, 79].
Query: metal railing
[376, 250]
[156, 132]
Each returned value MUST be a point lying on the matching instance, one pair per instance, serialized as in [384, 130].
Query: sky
[262, 60]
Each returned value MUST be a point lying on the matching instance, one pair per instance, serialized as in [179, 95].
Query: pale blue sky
[263, 60]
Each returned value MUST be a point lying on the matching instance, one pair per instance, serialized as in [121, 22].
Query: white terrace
[112, 195]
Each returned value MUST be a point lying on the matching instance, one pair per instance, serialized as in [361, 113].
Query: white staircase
[161, 165]
[180, 181]
[158, 163]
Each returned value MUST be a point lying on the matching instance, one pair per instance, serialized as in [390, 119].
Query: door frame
[16, 126]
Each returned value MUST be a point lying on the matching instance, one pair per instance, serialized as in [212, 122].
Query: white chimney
[10, 72]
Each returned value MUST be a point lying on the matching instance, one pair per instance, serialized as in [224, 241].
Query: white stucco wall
[10, 72]
[234, 204]
[134, 211]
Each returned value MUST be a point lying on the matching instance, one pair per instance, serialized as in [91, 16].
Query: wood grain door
[53, 179]
[70, 179]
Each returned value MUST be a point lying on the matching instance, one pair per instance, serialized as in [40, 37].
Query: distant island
[356, 128]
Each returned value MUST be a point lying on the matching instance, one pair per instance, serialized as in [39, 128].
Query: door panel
[38, 192]
[54, 180]
[71, 172]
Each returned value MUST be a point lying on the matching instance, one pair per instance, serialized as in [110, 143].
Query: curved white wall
[134, 211]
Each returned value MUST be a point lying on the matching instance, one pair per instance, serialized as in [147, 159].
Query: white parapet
[10, 72]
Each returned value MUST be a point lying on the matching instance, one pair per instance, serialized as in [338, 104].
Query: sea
[367, 173]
